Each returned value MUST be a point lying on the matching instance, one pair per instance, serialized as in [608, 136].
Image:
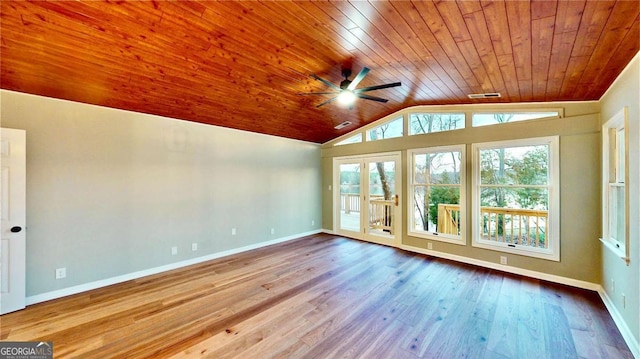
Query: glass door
[382, 200]
[367, 198]
[349, 219]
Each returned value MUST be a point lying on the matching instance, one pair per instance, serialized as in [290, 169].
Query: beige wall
[580, 251]
[109, 192]
[626, 92]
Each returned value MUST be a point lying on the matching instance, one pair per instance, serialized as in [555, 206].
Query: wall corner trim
[39, 298]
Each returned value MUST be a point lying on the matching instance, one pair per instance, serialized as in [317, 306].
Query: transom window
[353, 139]
[515, 197]
[436, 183]
[420, 123]
[389, 129]
[495, 118]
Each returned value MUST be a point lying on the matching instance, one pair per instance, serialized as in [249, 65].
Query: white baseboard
[39, 298]
[617, 318]
[505, 268]
[631, 341]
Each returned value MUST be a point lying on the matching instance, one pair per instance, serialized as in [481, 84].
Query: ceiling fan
[346, 92]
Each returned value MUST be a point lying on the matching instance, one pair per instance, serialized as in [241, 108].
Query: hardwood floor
[324, 296]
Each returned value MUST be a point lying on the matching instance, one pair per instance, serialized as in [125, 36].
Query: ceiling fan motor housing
[346, 82]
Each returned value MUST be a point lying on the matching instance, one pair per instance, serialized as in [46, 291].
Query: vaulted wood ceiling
[243, 64]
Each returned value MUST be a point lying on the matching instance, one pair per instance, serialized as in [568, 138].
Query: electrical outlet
[273, 231]
[624, 301]
[233, 231]
[313, 223]
[194, 246]
[429, 245]
[174, 251]
[503, 260]
[61, 273]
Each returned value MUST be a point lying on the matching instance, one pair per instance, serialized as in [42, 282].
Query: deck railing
[380, 210]
[507, 225]
[381, 214]
[449, 218]
[350, 202]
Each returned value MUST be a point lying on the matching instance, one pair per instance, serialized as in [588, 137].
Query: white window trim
[461, 239]
[618, 121]
[553, 227]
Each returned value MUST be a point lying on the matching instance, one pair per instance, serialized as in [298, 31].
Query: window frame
[460, 239]
[611, 163]
[553, 212]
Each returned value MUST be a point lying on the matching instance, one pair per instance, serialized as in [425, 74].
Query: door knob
[16, 229]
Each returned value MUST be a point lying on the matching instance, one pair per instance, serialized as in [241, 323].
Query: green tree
[442, 194]
[531, 169]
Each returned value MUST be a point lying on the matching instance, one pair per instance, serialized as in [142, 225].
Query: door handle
[396, 200]
[16, 229]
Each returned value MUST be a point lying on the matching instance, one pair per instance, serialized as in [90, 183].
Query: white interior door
[13, 213]
[367, 190]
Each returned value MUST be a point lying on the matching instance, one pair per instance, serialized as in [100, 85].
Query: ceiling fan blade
[367, 97]
[328, 101]
[378, 87]
[358, 78]
[318, 93]
[333, 86]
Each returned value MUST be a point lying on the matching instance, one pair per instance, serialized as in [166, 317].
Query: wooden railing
[512, 226]
[350, 202]
[380, 210]
[381, 214]
[449, 218]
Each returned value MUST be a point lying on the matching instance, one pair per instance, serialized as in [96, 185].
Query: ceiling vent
[484, 95]
[343, 125]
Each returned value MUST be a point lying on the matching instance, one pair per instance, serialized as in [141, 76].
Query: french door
[367, 195]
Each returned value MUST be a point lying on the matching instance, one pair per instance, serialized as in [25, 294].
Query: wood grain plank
[193, 60]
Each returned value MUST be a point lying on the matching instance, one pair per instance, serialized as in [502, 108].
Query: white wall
[109, 192]
[626, 92]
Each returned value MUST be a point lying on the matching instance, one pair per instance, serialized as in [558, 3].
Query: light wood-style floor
[325, 296]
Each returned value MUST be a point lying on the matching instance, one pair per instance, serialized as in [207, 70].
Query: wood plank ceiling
[243, 64]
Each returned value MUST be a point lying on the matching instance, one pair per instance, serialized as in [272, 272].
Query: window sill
[615, 250]
[549, 254]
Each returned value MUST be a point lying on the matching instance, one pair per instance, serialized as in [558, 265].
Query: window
[516, 197]
[420, 123]
[353, 139]
[436, 183]
[486, 119]
[615, 197]
[390, 129]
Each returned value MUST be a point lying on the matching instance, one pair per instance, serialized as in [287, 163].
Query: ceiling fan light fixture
[346, 97]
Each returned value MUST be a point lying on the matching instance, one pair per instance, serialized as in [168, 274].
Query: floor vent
[484, 95]
[343, 125]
